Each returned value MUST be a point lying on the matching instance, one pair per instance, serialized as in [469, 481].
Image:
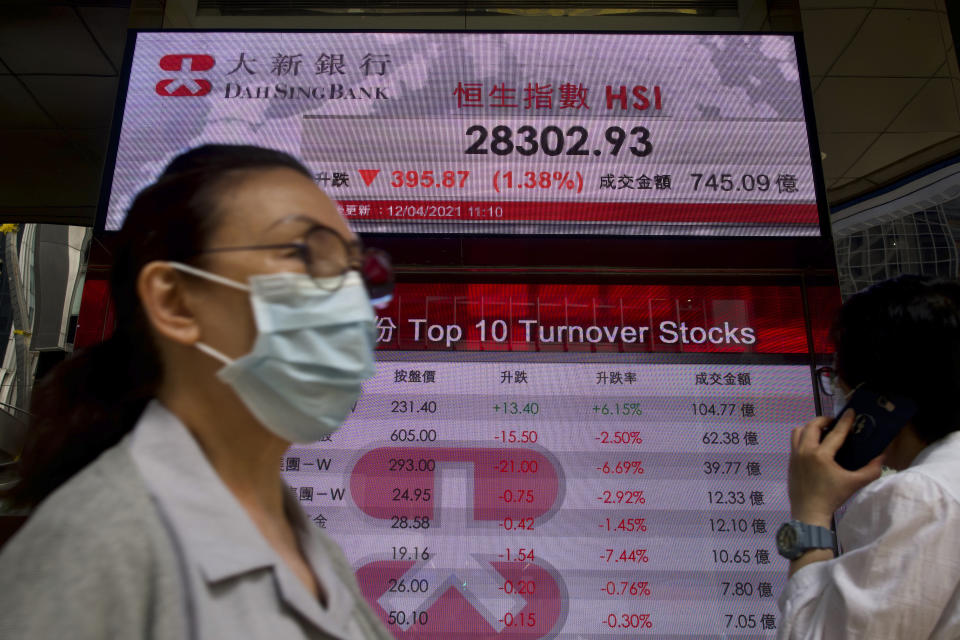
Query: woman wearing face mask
[243, 324]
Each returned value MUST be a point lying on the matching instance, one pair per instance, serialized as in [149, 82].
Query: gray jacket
[105, 556]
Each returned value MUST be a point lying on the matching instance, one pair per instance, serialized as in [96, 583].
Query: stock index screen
[569, 461]
[515, 133]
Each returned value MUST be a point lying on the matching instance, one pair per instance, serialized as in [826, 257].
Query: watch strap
[815, 537]
[807, 537]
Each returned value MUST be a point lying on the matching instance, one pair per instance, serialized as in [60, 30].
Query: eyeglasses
[328, 257]
[827, 379]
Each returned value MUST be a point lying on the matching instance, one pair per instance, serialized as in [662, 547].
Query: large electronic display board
[562, 453]
[515, 133]
[570, 460]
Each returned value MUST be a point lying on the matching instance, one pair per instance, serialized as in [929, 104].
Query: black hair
[88, 403]
[902, 337]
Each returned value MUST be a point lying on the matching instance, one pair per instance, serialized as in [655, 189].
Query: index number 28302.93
[527, 140]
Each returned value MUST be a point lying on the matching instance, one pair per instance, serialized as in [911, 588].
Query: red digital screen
[595, 318]
[554, 460]
[638, 134]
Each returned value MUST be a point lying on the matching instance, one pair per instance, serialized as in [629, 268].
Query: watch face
[787, 537]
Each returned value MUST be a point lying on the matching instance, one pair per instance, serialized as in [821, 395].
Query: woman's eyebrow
[296, 217]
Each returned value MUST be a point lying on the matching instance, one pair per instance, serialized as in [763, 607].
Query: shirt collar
[212, 527]
[947, 447]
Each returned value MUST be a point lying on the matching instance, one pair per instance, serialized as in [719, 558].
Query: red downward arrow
[368, 175]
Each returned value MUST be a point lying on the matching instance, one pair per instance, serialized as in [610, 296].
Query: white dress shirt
[899, 575]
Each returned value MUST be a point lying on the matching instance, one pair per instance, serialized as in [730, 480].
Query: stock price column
[596, 499]
[648, 542]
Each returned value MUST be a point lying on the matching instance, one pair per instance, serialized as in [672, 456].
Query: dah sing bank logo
[186, 86]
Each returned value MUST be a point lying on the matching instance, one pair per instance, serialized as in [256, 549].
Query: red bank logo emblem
[499, 600]
[186, 86]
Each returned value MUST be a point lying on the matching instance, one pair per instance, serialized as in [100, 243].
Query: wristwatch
[795, 538]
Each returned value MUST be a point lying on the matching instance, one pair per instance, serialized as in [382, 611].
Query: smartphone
[877, 421]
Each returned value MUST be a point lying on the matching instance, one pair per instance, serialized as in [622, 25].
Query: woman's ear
[166, 303]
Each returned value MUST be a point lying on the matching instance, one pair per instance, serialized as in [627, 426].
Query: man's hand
[818, 485]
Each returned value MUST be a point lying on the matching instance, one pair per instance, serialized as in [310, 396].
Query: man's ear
[165, 302]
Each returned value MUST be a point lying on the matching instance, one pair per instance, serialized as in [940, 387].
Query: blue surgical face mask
[313, 350]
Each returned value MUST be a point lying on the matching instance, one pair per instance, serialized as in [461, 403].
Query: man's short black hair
[902, 337]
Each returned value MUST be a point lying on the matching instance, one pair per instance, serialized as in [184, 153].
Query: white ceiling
[886, 89]
[884, 75]
[58, 79]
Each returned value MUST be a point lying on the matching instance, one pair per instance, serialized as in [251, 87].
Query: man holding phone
[898, 367]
